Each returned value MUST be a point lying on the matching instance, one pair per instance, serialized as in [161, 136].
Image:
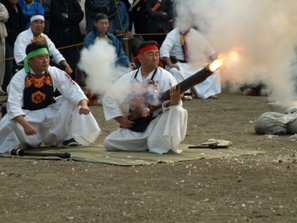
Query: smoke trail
[98, 61]
[263, 33]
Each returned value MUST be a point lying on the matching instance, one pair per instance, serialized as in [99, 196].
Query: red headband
[147, 48]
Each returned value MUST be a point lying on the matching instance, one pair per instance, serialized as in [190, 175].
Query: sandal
[71, 143]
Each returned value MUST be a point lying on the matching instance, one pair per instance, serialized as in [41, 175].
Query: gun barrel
[186, 84]
[211, 146]
[21, 152]
[191, 81]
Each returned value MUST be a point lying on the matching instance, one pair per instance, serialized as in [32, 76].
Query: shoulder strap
[136, 74]
[154, 74]
[152, 78]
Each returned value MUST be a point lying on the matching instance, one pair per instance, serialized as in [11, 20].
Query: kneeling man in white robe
[34, 116]
[156, 130]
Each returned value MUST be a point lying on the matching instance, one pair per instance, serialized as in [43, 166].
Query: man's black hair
[100, 16]
[35, 46]
[148, 43]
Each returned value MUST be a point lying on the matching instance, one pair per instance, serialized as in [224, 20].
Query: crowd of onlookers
[68, 25]
[36, 33]
[67, 22]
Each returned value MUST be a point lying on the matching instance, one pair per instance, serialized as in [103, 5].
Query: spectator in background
[174, 14]
[30, 8]
[83, 23]
[3, 34]
[159, 14]
[65, 16]
[100, 32]
[35, 34]
[93, 7]
[137, 26]
[120, 22]
[14, 25]
[127, 3]
[80, 75]
[138, 16]
[46, 6]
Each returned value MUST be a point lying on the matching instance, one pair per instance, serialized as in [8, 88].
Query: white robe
[199, 51]
[25, 38]
[54, 124]
[164, 133]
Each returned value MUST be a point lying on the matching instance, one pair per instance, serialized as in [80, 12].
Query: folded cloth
[218, 142]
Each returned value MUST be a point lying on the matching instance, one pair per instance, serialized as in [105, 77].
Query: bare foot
[213, 97]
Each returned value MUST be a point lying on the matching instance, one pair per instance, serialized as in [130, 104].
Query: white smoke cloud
[263, 33]
[98, 61]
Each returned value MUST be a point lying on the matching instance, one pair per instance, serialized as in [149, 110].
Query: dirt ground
[250, 188]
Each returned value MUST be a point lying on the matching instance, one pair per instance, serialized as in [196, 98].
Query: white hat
[35, 17]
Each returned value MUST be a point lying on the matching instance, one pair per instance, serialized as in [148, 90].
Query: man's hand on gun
[125, 122]
[175, 95]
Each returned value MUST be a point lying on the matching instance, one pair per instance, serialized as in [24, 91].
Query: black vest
[38, 92]
[142, 123]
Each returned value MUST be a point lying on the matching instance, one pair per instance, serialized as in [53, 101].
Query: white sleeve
[66, 86]
[167, 45]
[15, 92]
[20, 48]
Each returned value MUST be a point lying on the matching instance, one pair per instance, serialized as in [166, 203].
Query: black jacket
[139, 17]
[157, 19]
[108, 7]
[16, 22]
[59, 25]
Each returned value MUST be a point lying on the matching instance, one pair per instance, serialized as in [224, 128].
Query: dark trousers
[10, 66]
[71, 53]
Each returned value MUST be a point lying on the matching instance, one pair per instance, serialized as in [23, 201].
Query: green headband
[33, 54]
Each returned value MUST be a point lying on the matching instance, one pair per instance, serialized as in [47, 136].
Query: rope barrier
[81, 44]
